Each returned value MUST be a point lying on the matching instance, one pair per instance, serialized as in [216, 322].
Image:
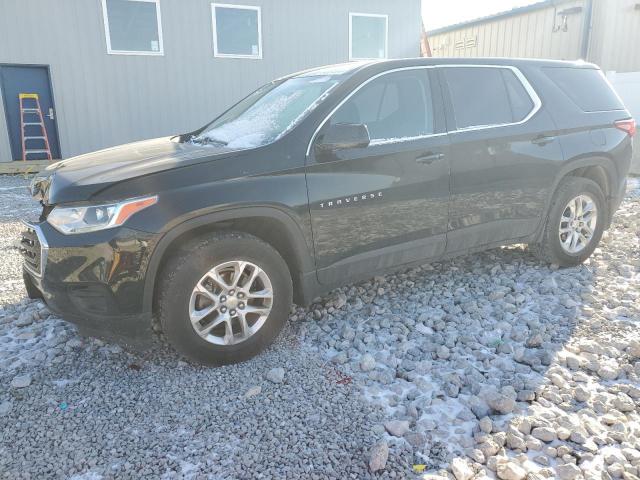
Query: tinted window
[587, 88]
[237, 31]
[479, 96]
[394, 106]
[133, 26]
[368, 36]
[521, 103]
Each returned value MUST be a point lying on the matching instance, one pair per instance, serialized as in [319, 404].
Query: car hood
[78, 178]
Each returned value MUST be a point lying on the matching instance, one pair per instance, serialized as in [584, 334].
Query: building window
[237, 31]
[367, 36]
[133, 27]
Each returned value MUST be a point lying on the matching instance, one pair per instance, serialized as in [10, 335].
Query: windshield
[268, 113]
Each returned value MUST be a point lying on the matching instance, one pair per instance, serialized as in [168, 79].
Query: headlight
[90, 218]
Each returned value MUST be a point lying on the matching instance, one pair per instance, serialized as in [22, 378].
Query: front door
[16, 80]
[503, 156]
[385, 204]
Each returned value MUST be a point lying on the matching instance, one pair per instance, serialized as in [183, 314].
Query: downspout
[586, 30]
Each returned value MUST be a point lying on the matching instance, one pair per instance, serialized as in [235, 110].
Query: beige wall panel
[615, 39]
[530, 34]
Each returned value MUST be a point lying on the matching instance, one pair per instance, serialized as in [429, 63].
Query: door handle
[430, 158]
[50, 114]
[543, 140]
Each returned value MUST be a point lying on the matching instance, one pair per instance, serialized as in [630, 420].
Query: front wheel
[575, 223]
[224, 297]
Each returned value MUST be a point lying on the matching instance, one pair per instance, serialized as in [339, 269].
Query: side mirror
[342, 136]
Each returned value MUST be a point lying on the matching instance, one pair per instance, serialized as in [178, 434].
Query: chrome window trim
[44, 249]
[537, 103]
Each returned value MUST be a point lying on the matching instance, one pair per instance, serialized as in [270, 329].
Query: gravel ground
[491, 365]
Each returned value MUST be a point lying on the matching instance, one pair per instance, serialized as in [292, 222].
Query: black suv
[321, 178]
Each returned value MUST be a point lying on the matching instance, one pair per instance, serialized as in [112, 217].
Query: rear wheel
[575, 223]
[224, 297]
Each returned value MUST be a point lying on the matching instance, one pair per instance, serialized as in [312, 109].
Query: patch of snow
[388, 141]
[262, 123]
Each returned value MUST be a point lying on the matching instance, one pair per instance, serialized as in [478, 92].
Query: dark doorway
[21, 79]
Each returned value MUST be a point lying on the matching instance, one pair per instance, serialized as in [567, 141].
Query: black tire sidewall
[188, 268]
[573, 187]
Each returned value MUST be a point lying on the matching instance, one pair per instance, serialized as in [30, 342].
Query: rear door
[385, 204]
[503, 155]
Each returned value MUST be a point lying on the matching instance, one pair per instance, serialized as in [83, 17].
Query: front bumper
[95, 280]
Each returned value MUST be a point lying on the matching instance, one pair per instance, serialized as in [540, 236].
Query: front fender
[296, 240]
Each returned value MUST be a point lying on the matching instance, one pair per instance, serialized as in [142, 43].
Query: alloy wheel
[578, 224]
[231, 302]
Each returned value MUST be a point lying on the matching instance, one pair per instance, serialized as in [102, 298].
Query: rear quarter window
[586, 87]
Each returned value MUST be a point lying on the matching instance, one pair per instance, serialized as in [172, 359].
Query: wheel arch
[600, 169]
[272, 225]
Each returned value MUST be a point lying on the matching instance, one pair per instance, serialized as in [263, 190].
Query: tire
[222, 253]
[550, 249]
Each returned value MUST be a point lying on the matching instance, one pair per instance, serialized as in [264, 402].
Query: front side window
[133, 27]
[237, 31]
[394, 107]
[268, 113]
[367, 36]
[486, 96]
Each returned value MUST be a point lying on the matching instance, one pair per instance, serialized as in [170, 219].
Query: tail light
[628, 125]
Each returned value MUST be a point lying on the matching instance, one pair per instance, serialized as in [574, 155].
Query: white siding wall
[104, 100]
[628, 87]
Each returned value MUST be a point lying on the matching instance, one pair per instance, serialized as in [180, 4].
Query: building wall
[104, 100]
[614, 45]
[529, 34]
[5, 148]
[628, 87]
[615, 40]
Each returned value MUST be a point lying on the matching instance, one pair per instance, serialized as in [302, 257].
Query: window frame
[111, 51]
[386, 34]
[537, 103]
[216, 53]
[427, 89]
[357, 89]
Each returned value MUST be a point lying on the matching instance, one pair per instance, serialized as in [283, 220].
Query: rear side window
[586, 87]
[521, 103]
[486, 96]
[394, 106]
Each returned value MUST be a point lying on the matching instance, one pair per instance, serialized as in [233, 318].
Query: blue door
[17, 79]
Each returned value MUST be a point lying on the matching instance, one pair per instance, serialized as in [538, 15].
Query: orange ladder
[32, 110]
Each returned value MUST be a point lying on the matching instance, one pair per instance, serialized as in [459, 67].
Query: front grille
[31, 250]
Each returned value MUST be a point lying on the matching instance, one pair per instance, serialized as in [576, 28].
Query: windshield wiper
[209, 141]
